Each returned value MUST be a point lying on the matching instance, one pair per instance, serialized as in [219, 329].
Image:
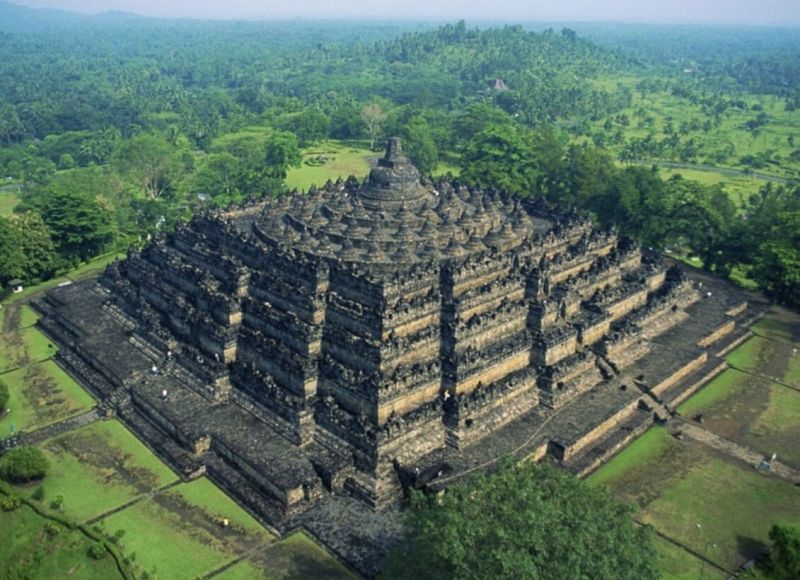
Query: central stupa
[395, 218]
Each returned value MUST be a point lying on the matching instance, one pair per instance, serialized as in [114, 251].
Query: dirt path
[734, 450]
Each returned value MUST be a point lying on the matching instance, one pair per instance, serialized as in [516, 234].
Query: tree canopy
[523, 521]
[784, 561]
[23, 464]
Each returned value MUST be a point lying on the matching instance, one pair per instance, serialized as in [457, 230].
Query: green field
[28, 317]
[179, 534]
[100, 467]
[755, 356]
[739, 187]
[244, 570]
[204, 495]
[8, 201]
[678, 484]
[338, 160]
[722, 145]
[734, 504]
[652, 443]
[751, 411]
[769, 327]
[23, 347]
[26, 544]
[41, 393]
[676, 563]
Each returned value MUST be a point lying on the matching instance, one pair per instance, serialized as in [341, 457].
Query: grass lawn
[85, 270]
[163, 547]
[677, 485]
[734, 504]
[443, 168]
[298, 556]
[750, 356]
[98, 468]
[94, 266]
[179, 534]
[206, 496]
[772, 359]
[341, 160]
[730, 383]
[738, 187]
[754, 412]
[769, 327]
[29, 290]
[676, 563]
[41, 394]
[8, 201]
[24, 347]
[25, 545]
[243, 570]
[652, 443]
[722, 144]
[28, 317]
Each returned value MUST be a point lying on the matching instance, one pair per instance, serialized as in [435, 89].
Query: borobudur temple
[372, 336]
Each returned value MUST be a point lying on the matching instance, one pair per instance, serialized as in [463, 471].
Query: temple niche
[370, 336]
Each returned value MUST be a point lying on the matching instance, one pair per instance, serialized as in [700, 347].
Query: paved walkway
[60, 427]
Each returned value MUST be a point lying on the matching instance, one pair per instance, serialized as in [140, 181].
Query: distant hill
[20, 19]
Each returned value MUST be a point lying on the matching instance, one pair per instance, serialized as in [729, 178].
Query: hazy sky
[780, 12]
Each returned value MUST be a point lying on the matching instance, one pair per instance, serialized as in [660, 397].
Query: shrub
[38, 495]
[57, 503]
[10, 503]
[97, 551]
[23, 464]
[785, 557]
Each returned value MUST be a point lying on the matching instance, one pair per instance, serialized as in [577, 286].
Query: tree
[23, 464]
[636, 202]
[36, 245]
[346, 122]
[475, 118]
[501, 156]
[79, 220]
[374, 116]
[523, 521]
[12, 260]
[218, 175]
[309, 125]
[150, 161]
[587, 173]
[419, 145]
[784, 561]
[282, 152]
[776, 264]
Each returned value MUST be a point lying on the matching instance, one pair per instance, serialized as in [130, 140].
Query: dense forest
[111, 126]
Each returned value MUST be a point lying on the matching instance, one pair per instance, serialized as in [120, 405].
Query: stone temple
[339, 347]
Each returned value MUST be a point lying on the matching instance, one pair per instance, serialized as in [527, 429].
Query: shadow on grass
[750, 548]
